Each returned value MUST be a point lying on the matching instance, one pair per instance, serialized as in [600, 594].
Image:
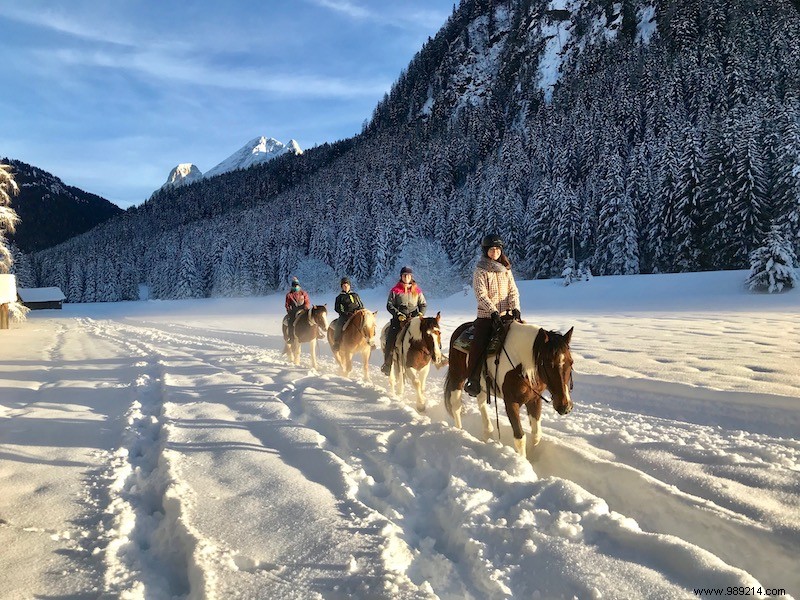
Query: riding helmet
[345, 280]
[491, 240]
[405, 270]
[295, 281]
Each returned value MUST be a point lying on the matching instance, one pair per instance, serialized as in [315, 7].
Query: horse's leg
[393, 378]
[422, 376]
[313, 349]
[512, 411]
[455, 405]
[535, 415]
[366, 352]
[348, 363]
[488, 428]
[295, 348]
[414, 380]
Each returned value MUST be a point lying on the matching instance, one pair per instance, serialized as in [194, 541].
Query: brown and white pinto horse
[531, 360]
[358, 336]
[418, 344]
[308, 325]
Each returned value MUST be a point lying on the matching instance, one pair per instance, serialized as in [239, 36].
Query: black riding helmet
[345, 280]
[491, 240]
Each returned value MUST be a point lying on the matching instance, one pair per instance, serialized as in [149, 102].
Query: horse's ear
[568, 335]
[375, 312]
[438, 316]
[541, 337]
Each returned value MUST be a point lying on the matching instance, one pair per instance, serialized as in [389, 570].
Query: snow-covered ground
[166, 449]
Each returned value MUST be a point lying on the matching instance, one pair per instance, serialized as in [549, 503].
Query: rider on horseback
[406, 301]
[347, 303]
[296, 300]
[496, 292]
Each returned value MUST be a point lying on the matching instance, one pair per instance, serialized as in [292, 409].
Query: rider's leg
[391, 338]
[482, 334]
[337, 332]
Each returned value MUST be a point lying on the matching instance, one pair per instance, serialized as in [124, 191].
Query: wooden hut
[39, 298]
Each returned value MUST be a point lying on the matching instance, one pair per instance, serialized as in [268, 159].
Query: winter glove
[516, 314]
[401, 318]
[497, 323]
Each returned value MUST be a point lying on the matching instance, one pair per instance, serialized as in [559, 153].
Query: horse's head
[432, 336]
[369, 327]
[554, 367]
[318, 315]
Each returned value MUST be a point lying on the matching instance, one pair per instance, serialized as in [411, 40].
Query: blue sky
[109, 95]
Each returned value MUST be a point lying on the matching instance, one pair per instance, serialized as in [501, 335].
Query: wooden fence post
[3, 316]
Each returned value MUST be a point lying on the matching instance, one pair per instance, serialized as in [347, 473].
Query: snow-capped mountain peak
[183, 174]
[256, 151]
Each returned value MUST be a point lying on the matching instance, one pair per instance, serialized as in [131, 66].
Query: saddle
[464, 341]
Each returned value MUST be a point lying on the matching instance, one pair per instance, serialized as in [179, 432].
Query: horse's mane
[417, 328]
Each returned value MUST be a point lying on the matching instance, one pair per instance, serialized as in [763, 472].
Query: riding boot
[391, 338]
[473, 383]
[482, 333]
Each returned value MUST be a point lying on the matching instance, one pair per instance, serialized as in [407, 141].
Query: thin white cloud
[347, 8]
[413, 19]
[173, 68]
[61, 23]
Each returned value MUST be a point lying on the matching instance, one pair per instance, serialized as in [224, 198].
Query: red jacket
[297, 299]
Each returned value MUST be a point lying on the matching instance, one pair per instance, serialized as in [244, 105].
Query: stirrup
[473, 386]
[386, 368]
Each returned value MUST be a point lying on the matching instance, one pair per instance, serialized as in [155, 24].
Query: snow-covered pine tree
[8, 218]
[75, 288]
[617, 250]
[773, 265]
[787, 173]
[224, 278]
[749, 203]
[687, 235]
[22, 268]
[189, 282]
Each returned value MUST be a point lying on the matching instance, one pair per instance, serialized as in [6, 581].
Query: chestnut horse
[358, 336]
[308, 325]
[530, 361]
[418, 343]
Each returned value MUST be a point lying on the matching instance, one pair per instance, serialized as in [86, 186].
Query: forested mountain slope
[51, 212]
[640, 136]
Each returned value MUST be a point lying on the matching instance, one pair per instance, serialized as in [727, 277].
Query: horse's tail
[448, 391]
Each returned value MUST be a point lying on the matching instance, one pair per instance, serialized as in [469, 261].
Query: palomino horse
[530, 361]
[308, 325]
[419, 342]
[358, 336]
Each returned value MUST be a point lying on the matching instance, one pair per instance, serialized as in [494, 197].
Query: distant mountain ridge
[255, 152]
[52, 212]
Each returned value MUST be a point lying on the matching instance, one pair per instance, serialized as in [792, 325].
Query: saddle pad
[464, 341]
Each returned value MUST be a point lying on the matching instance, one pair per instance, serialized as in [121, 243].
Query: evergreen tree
[189, 282]
[773, 265]
[8, 218]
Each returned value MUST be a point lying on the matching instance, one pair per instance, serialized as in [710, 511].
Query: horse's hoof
[421, 409]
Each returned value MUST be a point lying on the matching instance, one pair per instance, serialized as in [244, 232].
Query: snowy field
[167, 450]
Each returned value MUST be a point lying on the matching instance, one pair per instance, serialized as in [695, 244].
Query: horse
[358, 336]
[418, 343]
[308, 324]
[530, 361]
